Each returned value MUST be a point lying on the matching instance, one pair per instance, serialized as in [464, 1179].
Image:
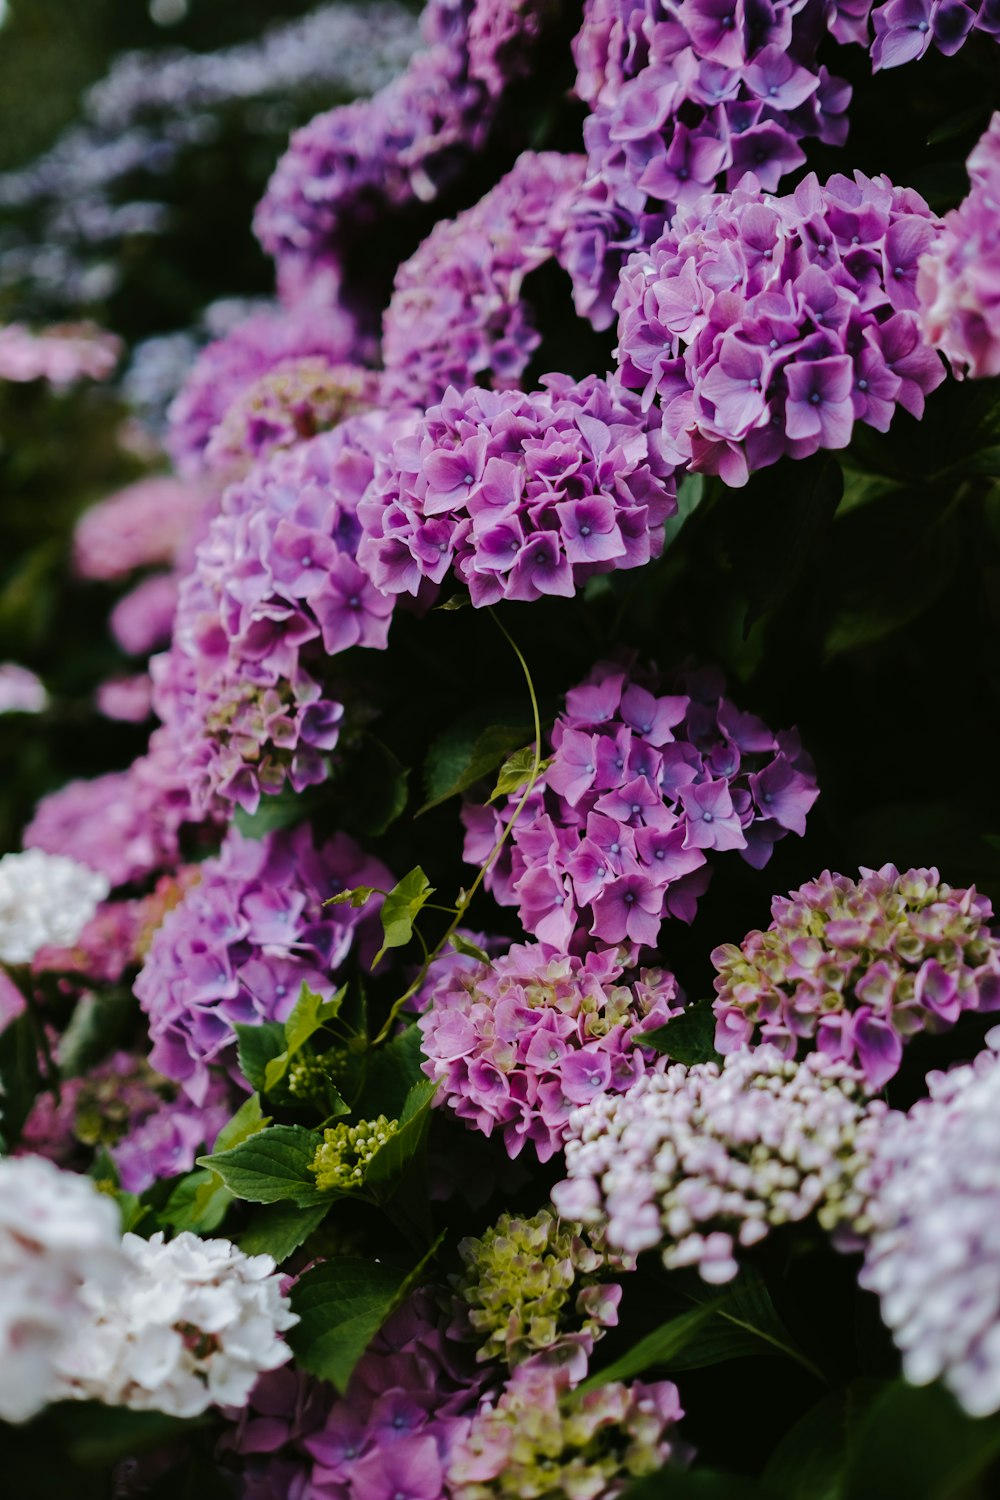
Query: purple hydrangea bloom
[933, 1232]
[517, 1043]
[456, 315]
[682, 96]
[276, 588]
[767, 325]
[704, 1160]
[523, 495]
[641, 788]
[143, 619]
[125, 824]
[854, 968]
[241, 944]
[225, 369]
[905, 29]
[148, 1128]
[958, 278]
[144, 525]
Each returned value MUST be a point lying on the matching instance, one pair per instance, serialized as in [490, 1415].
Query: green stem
[465, 900]
[37, 1023]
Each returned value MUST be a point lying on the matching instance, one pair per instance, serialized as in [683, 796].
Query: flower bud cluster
[341, 1162]
[517, 1043]
[704, 1161]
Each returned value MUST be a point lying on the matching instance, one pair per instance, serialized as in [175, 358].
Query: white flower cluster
[46, 900]
[192, 1324]
[56, 1232]
[699, 1160]
[21, 692]
[933, 1256]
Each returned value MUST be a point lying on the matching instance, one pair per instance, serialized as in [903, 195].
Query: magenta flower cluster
[516, 1044]
[853, 968]
[276, 589]
[147, 524]
[906, 29]
[767, 326]
[457, 316]
[642, 787]
[682, 96]
[241, 944]
[958, 279]
[523, 495]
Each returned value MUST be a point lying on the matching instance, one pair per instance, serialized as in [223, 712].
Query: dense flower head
[299, 399]
[117, 936]
[933, 1251]
[122, 1106]
[346, 1151]
[457, 316]
[265, 342]
[406, 1405]
[56, 1231]
[501, 39]
[683, 96]
[641, 788]
[144, 525]
[523, 495]
[189, 1325]
[125, 824]
[517, 1043]
[61, 354]
[767, 325]
[276, 589]
[853, 968]
[906, 29]
[45, 900]
[243, 941]
[958, 277]
[703, 1161]
[543, 1440]
[534, 1287]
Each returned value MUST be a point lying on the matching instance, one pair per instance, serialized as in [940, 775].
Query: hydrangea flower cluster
[457, 316]
[854, 968]
[283, 407]
[933, 1253]
[275, 587]
[21, 690]
[407, 1404]
[958, 278]
[346, 1152]
[46, 900]
[124, 824]
[191, 1324]
[682, 96]
[518, 1043]
[61, 354]
[543, 1440]
[118, 935]
[267, 341]
[906, 29]
[241, 944]
[769, 325]
[144, 525]
[143, 619]
[56, 1231]
[149, 1129]
[641, 788]
[704, 1160]
[533, 1287]
[524, 495]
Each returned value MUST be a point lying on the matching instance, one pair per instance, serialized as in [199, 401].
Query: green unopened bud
[342, 1160]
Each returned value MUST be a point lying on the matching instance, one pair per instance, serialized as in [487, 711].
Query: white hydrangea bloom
[45, 899]
[56, 1231]
[21, 692]
[192, 1324]
[933, 1256]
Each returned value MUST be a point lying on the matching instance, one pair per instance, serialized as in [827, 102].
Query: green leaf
[280, 1228]
[675, 1483]
[342, 1305]
[359, 895]
[392, 1072]
[455, 601]
[390, 1161]
[19, 1075]
[690, 493]
[96, 1434]
[918, 1443]
[271, 1167]
[97, 1023]
[373, 789]
[400, 909]
[755, 1327]
[310, 1014]
[659, 1347]
[688, 1038]
[975, 118]
[516, 772]
[256, 1046]
[471, 950]
[462, 755]
[808, 1463]
[247, 1121]
[199, 1202]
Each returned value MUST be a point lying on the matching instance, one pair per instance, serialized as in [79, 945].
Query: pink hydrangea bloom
[59, 354]
[144, 525]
